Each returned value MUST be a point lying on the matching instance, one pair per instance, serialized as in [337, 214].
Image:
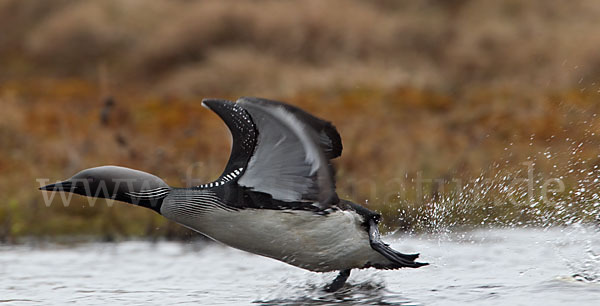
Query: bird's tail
[397, 259]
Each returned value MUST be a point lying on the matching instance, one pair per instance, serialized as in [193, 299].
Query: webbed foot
[339, 281]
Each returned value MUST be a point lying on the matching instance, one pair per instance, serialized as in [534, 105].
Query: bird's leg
[339, 281]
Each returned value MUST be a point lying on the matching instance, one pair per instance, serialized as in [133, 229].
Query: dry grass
[436, 90]
[295, 46]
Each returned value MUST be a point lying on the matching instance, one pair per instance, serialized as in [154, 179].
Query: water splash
[552, 187]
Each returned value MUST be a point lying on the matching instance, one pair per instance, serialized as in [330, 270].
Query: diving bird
[275, 198]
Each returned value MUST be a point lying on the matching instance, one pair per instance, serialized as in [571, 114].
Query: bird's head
[118, 183]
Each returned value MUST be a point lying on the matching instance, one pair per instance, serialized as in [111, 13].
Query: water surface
[555, 266]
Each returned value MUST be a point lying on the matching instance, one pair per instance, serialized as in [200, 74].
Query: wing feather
[328, 136]
[280, 150]
[288, 162]
[243, 133]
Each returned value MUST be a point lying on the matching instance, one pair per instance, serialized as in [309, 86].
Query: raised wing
[243, 133]
[328, 137]
[287, 160]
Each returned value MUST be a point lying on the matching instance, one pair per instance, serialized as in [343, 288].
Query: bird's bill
[61, 186]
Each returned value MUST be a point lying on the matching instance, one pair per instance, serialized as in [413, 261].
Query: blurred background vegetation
[442, 105]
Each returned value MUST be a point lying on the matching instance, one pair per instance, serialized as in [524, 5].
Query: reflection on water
[366, 292]
[500, 266]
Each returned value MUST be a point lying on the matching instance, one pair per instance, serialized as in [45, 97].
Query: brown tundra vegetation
[452, 113]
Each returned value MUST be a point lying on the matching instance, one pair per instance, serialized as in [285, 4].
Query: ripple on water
[359, 293]
[496, 266]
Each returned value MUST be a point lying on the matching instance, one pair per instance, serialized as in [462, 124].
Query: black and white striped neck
[152, 198]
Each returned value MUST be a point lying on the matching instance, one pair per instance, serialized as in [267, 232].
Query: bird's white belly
[321, 243]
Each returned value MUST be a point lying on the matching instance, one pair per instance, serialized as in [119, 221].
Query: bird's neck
[151, 199]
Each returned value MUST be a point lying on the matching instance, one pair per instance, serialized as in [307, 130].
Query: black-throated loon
[276, 196]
